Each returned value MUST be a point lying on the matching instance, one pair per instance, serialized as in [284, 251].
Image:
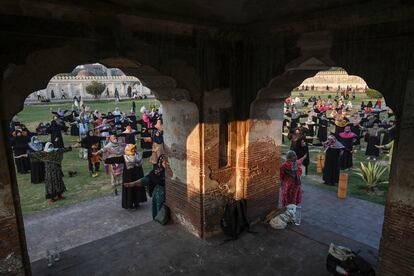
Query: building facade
[67, 86]
[333, 80]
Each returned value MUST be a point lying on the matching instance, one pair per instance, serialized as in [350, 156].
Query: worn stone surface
[353, 218]
[72, 226]
[152, 249]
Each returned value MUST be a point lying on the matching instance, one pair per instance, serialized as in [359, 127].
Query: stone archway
[266, 116]
[181, 125]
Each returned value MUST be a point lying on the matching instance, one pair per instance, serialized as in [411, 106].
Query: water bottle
[56, 254]
[298, 215]
[49, 258]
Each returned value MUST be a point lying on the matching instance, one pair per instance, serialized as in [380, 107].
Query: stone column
[82, 93]
[70, 92]
[122, 93]
[262, 157]
[183, 181]
[396, 255]
[13, 250]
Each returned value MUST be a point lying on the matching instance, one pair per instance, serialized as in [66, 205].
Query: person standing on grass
[333, 151]
[56, 128]
[113, 149]
[20, 145]
[52, 157]
[373, 138]
[290, 182]
[88, 143]
[347, 138]
[37, 172]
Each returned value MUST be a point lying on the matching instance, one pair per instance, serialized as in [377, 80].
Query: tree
[95, 89]
[373, 94]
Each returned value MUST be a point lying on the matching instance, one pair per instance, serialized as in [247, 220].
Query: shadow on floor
[152, 249]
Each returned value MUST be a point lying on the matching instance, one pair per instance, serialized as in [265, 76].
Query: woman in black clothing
[323, 128]
[300, 147]
[333, 150]
[37, 172]
[56, 137]
[132, 160]
[20, 145]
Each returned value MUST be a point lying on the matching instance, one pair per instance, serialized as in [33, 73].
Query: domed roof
[85, 73]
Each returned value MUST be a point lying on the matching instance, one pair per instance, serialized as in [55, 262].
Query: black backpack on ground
[234, 221]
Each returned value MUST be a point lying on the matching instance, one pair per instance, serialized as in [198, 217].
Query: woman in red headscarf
[290, 183]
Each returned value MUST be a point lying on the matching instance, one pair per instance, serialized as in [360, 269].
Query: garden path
[354, 218]
[74, 225]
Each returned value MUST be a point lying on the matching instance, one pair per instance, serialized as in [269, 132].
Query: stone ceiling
[225, 11]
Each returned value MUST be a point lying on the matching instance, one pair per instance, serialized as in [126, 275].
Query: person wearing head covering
[157, 139]
[20, 145]
[74, 124]
[92, 143]
[155, 181]
[300, 146]
[290, 182]
[373, 138]
[356, 128]
[132, 120]
[310, 129]
[56, 128]
[132, 171]
[331, 170]
[52, 158]
[294, 118]
[114, 149]
[347, 138]
[37, 172]
[146, 119]
[323, 125]
[129, 135]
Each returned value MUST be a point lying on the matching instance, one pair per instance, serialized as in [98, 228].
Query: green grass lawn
[82, 186]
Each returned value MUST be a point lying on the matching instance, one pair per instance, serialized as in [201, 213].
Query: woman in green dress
[155, 181]
[52, 157]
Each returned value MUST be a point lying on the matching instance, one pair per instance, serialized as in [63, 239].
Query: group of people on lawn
[337, 128]
[111, 138]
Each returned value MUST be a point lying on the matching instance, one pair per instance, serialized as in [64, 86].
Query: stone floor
[152, 249]
[351, 217]
[75, 225]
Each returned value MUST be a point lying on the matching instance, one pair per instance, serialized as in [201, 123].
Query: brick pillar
[14, 259]
[263, 140]
[396, 255]
[184, 192]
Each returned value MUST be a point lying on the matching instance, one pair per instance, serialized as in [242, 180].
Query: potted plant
[371, 174]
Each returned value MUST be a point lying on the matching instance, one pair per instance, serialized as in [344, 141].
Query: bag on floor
[343, 261]
[234, 220]
[163, 215]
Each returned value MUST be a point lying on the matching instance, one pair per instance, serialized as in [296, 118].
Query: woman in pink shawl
[146, 119]
[347, 139]
[290, 183]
